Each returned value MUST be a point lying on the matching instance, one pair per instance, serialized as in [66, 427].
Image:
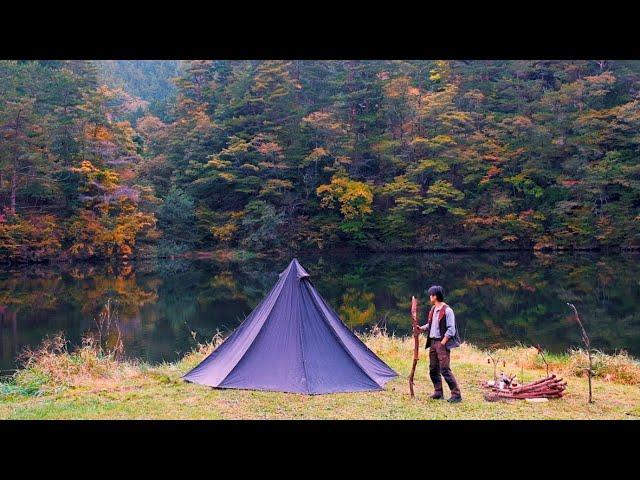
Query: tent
[293, 342]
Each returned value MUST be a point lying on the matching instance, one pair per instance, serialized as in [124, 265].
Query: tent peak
[295, 268]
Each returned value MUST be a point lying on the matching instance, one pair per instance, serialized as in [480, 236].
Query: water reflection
[498, 298]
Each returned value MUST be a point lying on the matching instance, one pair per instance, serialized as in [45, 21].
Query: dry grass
[85, 383]
[52, 367]
[618, 368]
[201, 350]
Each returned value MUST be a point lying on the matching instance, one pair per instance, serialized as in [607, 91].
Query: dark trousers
[439, 359]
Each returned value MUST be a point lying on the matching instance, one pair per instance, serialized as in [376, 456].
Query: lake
[162, 305]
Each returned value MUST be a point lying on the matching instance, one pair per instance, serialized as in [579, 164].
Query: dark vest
[442, 324]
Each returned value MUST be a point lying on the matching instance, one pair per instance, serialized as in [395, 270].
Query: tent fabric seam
[304, 366]
[253, 342]
[222, 380]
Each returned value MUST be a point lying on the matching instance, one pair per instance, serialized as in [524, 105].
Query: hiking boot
[455, 400]
[436, 396]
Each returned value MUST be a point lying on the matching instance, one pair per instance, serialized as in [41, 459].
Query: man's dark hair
[438, 291]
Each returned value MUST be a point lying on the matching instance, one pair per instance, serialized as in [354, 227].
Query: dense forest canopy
[148, 83]
[116, 159]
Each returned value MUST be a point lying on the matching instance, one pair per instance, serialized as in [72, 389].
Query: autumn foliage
[259, 155]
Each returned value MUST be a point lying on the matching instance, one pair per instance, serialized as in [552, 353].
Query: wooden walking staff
[416, 341]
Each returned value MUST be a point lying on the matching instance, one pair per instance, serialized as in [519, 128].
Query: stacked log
[549, 387]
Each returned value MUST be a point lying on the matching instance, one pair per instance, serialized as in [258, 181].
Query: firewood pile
[509, 388]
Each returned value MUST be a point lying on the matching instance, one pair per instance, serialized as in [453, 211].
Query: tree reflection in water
[498, 298]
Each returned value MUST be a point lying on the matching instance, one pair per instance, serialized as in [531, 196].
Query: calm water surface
[498, 298]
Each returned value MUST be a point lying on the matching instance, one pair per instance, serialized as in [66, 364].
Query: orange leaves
[30, 239]
[104, 236]
[317, 154]
[269, 148]
[492, 172]
[98, 133]
[481, 220]
[599, 85]
[127, 174]
[399, 87]
[86, 168]
[492, 157]
[570, 182]
[325, 121]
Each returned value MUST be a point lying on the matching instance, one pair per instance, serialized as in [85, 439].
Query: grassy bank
[84, 384]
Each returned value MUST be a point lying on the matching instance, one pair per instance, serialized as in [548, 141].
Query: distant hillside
[148, 80]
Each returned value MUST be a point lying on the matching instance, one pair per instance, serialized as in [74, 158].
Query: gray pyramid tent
[293, 342]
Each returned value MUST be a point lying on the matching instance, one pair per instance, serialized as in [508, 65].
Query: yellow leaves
[357, 308]
[86, 167]
[442, 141]
[224, 233]
[401, 185]
[104, 179]
[275, 186]
[318, 118]
[429, 166]
[453, 119]
[226, 226]
[237, 214]
[237, 146]
[217, 163]
[386, 146]
[509, 238]
[440, 194]
[418, 141]
[105, 235]
[227, 176]
[326, 121]
[435, 103]
[355, 198]
[316, 154]
[33, 238]
[249, 167]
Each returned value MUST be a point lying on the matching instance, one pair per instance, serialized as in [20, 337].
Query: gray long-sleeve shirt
[434, 332]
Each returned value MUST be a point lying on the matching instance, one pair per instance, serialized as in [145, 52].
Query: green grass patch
[57, 386]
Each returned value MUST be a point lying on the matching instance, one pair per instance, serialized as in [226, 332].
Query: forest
[125, 159]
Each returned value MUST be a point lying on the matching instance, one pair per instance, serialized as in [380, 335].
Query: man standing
[442, 336]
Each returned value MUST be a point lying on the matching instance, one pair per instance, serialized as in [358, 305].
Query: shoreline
[242, 255]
